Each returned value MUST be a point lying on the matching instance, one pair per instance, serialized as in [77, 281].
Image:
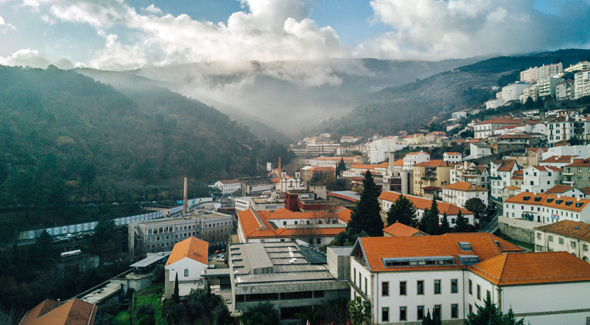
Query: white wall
[194, 270]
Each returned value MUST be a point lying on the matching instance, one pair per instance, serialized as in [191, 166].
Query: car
[210, 257]
[217, 251]
[220, 258]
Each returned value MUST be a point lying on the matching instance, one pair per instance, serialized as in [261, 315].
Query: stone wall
[517, 229]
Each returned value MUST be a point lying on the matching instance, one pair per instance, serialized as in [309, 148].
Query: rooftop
[193, 248]
[423, 203]
[555, 201]
[579, 163]
[73, 312]
[465, 187]
[558, 189]
[568, 228]
[400, 230]
[346, 195]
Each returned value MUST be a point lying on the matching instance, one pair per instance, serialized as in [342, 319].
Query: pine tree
[445, 228]
[427, 320]
[176, 294]
[365, 214]
[430, 221]
[402, 211]
[340, 167]
[461, 224]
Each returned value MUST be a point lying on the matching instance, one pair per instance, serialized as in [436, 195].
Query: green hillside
[409, 106]
[66, 140]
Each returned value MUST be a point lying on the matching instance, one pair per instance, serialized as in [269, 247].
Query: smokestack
[280, 170]
[184, 202]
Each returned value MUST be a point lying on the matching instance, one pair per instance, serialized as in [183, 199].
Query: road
[493, 225]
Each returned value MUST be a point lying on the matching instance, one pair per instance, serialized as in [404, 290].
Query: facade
[547, 208]
[501, 175]
[386, 199]
[256, 185]
[286, 275]
[513, 91]
[433, 173]
[453, 157]
[547, 86]
[564, 236]
[565, 90]
[486, 128]
[414, 158]
[529, 75]
[548, 71]
[577, 174]
[540, 179]
[460, 192]
[228, 186]
[378, 149]
[583, 65]
[565, 190]
[495, 103]
[472, 173]
[581, 84]
[188, 258]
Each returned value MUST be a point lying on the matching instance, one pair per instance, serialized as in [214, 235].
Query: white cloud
[431, 29]
[153, 10]
[32, 58]
[5, 27]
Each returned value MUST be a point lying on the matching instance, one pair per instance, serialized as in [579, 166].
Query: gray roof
[151, 259]
[341, 250]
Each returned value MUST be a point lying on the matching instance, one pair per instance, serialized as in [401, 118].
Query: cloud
[430, 29]
[5, 27]
[32, 58]
[152, 10]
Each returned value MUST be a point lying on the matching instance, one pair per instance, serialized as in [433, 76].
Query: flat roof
[346, 195]
[99, 295]
[341, 250]
[151, 259]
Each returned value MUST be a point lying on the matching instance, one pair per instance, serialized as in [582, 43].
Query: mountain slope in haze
[294, 94]
[65, 138]
[408, 106]
[139, 87]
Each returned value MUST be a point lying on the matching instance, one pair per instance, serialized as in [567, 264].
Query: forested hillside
[409, 106]
[67, 140]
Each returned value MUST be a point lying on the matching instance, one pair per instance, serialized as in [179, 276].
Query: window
[454, 285]
[470, 309]
[561, 241]
[437, 310]
[385, 289]
[185, 273]
[385, 314]
[454, 310]
[402, 288]
[420, 314]
[402, 313]
[488, 295]
[478, 292]
[585, 248]
[573, 243]
[354, 274]
[538, 235]
[550, 238]
[470, 287]
[436, 287]
[420, 287]
[366, 286]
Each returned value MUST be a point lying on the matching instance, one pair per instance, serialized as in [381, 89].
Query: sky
[131, 34]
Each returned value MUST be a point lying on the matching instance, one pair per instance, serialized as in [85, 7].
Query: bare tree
[311, 229]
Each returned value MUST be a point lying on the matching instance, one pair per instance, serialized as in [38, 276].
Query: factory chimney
[184, 201]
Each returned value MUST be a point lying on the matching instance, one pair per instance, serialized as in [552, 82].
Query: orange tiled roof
[415, 153]
[294, 232]
[253, 226]
[377, 248]
[399, 162]
[500, 121]
[513, 188]
[568, 228]
[579, 163]
[531, 268]
[193, 248]
[422, 203]
[400, 230]
[453, 153]
[547, 168]
[370, 167]
[465, 186]
[550, 200]
[585, 190]
[73, 312]
[507, 165]
[557, 189]
[434, 163]
[558, 159]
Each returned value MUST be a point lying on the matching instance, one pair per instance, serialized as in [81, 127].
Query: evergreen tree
[427, 320]
[489, 314]
[176, 294]
[365, 214]
[430, 221]
[461, 224]
[444, 226]
[402, 211]
[340, 167]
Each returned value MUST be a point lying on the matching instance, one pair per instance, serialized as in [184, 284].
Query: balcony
[429, 178]
[568, 172]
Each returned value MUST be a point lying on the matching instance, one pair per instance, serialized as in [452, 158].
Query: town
[487, 211]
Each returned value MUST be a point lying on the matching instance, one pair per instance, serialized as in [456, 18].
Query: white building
[461, 192]
[414, 158]
[540, 179]
[377, 149]
[495, 103]
[529, 75]
[547, 208]
[565, 190]
[548, 71]
[349, 139]
[581, 152]
[478, 150]
[403, 278]
[188, 258]
[546, 86]
[453, 157]
[565, 90]
[513, 91]
[583, 65]
[500, 176]
[564, 236]
[228, 186]
[470, 172]
[459, 115]
[581, 84]
[486, 128]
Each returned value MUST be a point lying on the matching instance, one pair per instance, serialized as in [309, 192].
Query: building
[564, 236]
[72, 312]
[565, 190]
[188, 258]
[377, 149]
[581, 84]
[565, 90]
[548, 71]
[557, 161]
[459, 115]
[495, 103]
[547, 208]
[287, 275]
[486, 128]
[386, 199]
[228, 186]
[581, 152]
[433, 173]
[256, 185]
[162, 234]
[396, 178]
[539, 179]
[577, 173]
[414, 158]
[583, 65]
[453, 157]
[308, 172]
[513, 91]
[349, 139]
[472, 173]
[501, 174]
[400, 230]
[459, 193]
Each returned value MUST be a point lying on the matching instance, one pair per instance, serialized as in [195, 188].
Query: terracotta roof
[518, 173]
[547, 168]
[513, 188]
[400, 230]
[465, 186]
[415, 153]
[579, 163]
[510, 127]
[255, 226]
[452, 153]
[559, 189]
[294, 232]
[507, 165]
[399, 162]
[515, 136]
[344, 197]
[434, 163]
[422, 203]
[370, 167]
[193, 248]
[229, 181]
[323, 169]
[585, 190]
[531, 268]
[568, 228]
[501, 121]
[73, 312]
[550, 200]
[378, 248]
[558, 159]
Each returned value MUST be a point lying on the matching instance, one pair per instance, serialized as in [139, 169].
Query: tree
[402, 211]
[340, 167]
[175, 314]
[530, 103]
[430, 220]
[144, 310]
[489, 314]
[476, 206]
[199, 304]
[360, 311]
[365, 214]
[221, 315]
[461, 224]
[176, 294]
[262, 314]
[444, 226]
